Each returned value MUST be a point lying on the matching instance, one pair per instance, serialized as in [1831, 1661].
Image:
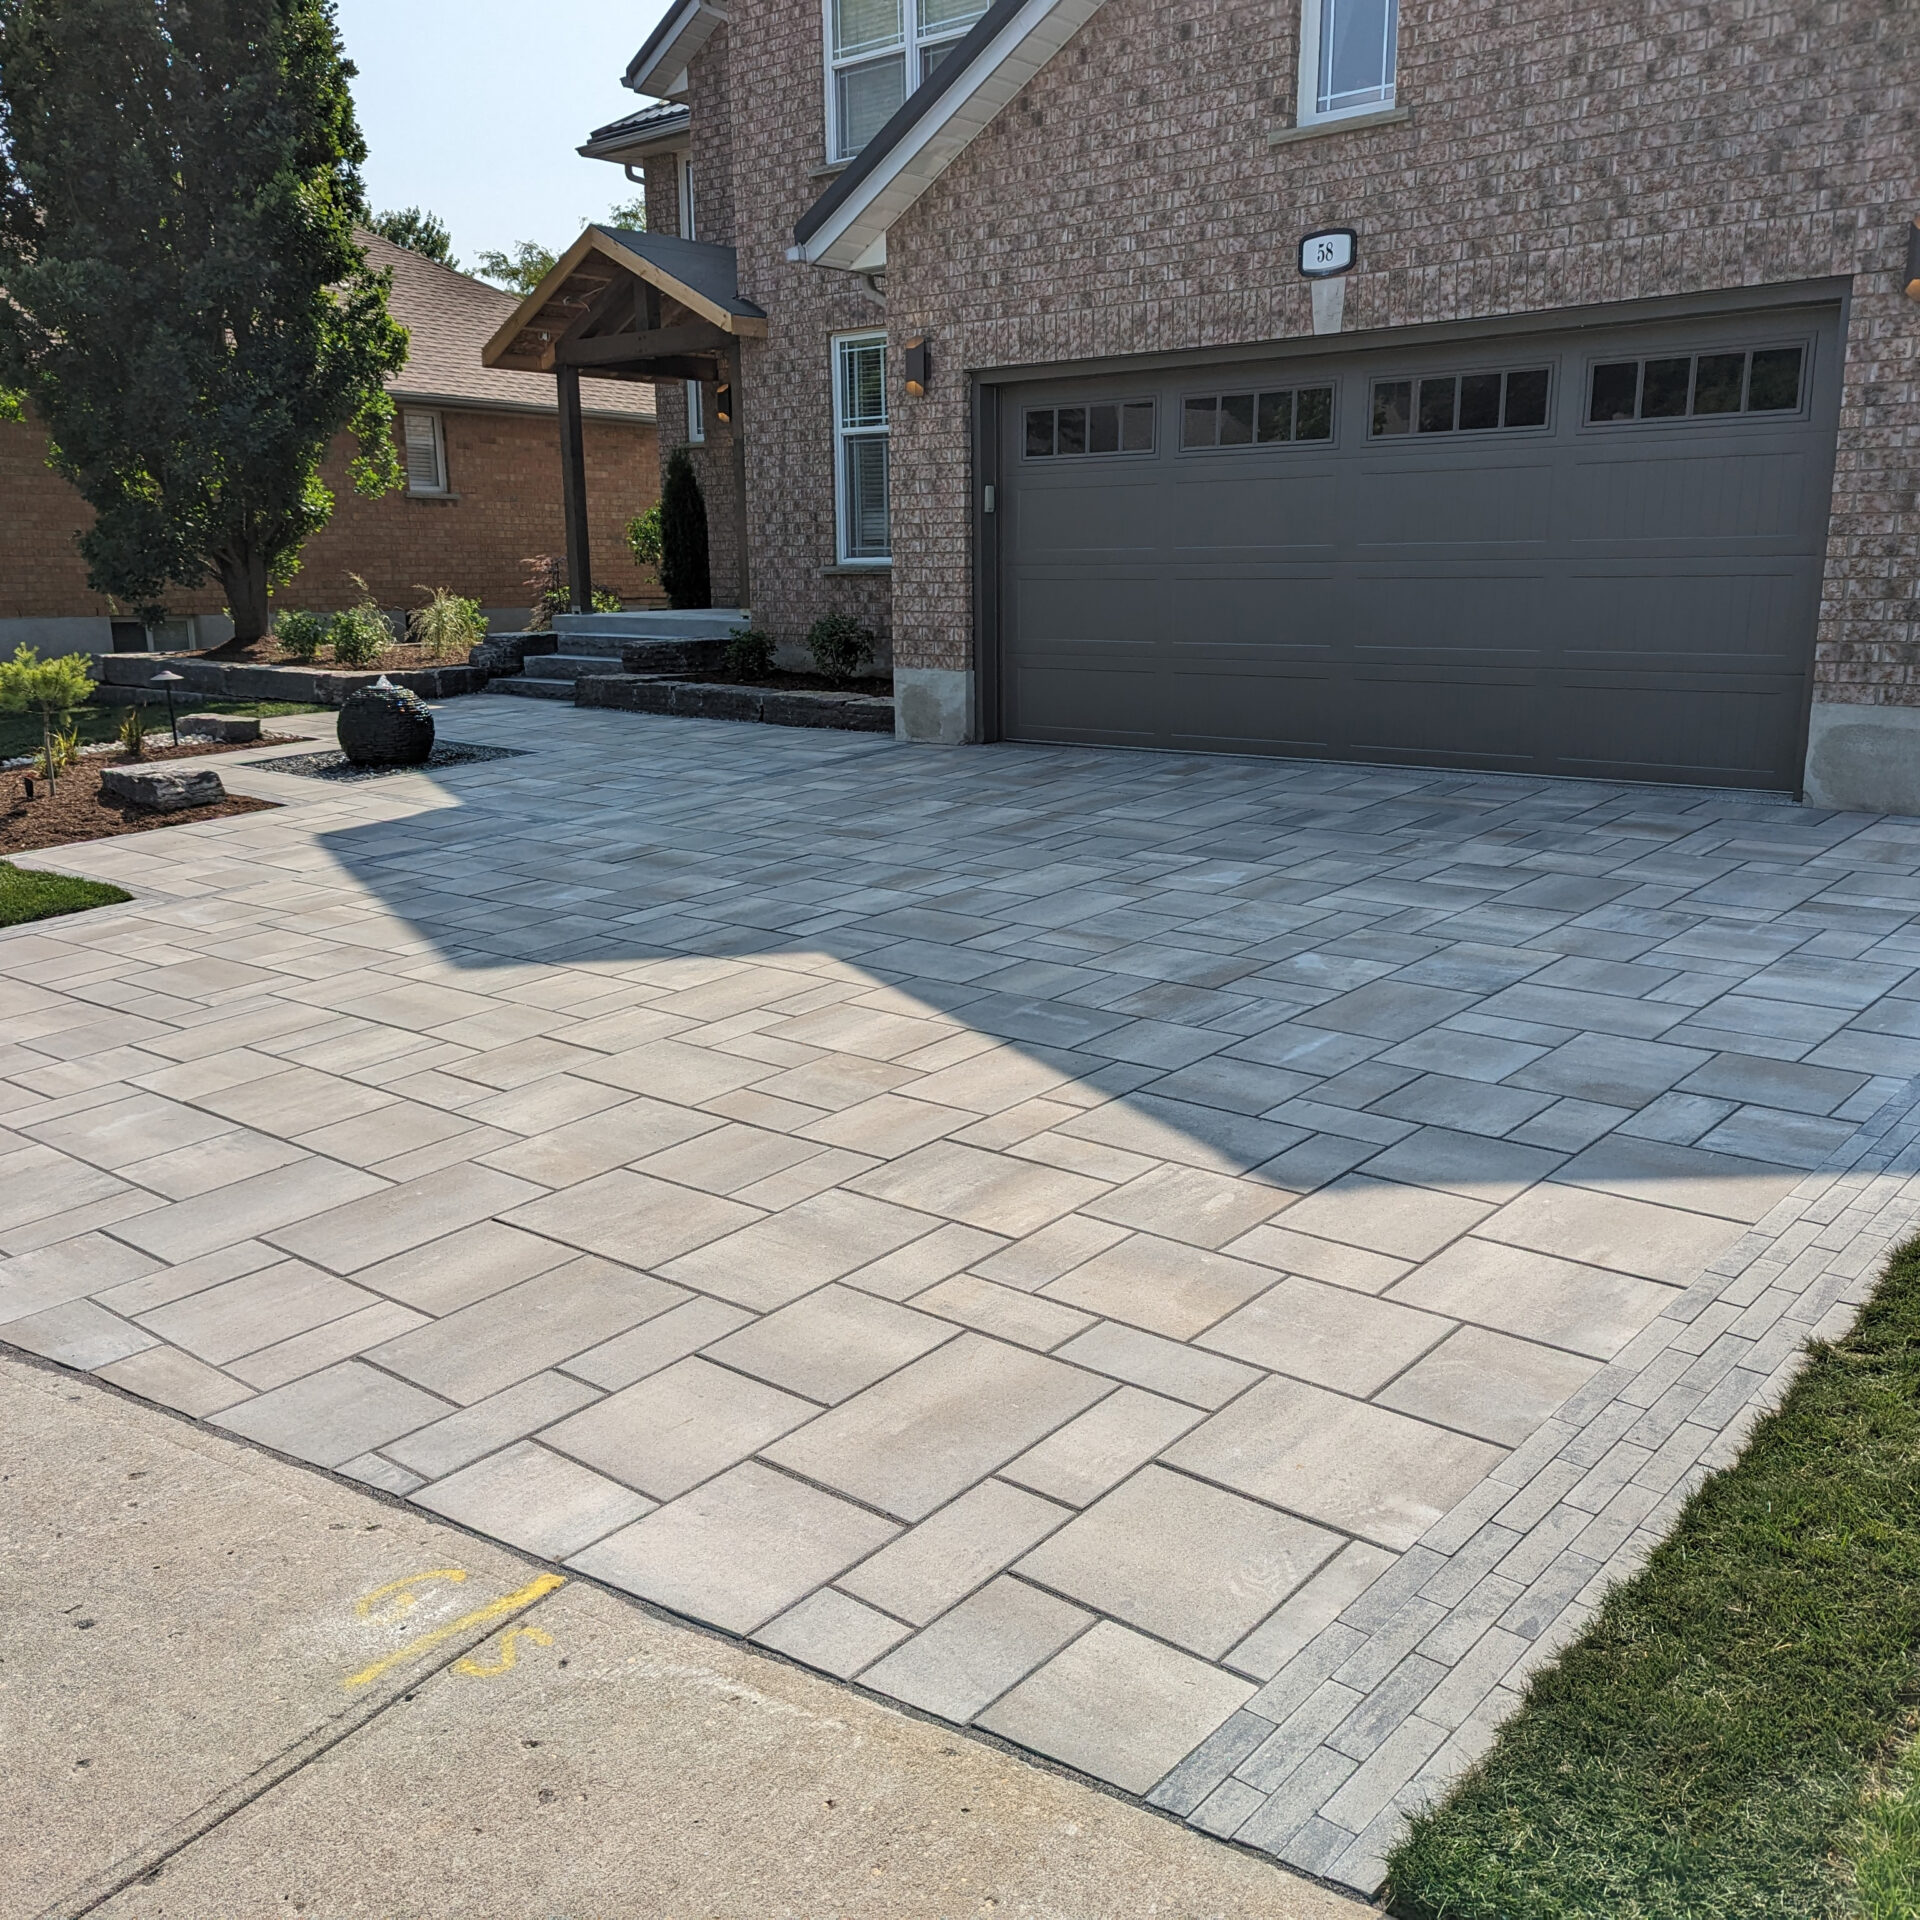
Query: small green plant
[133, 733]
[749, 653]
[840, 645]
[448, 623]
[605, 600]
[359, 633]
[302, 635]
[643, 536]
[49, 689]
[60, 754]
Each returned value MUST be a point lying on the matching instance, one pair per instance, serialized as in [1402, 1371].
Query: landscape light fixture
[919, 365]
[1913, 259]
[170, 681]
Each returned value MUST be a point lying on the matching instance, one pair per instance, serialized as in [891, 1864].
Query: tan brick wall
[504, 468]
[1128, 201]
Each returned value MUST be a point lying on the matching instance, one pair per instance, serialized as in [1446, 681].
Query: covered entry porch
[627, 305]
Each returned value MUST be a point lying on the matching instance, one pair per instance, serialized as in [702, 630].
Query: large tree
[181, 299]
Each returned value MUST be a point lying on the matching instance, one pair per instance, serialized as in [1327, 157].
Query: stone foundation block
[221, 726]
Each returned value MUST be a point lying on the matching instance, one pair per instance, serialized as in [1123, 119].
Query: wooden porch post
[573, 490]
[743, 582]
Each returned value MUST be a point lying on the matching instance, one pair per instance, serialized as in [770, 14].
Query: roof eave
[907, 157]
[669, 136]
[660, 67]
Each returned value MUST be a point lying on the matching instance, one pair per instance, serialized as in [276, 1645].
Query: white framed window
[686, 199]
[1349, 54]
[878, 52]
[426, 451]
[860, 450]
[696, 414]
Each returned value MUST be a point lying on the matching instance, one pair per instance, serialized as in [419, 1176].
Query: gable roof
[702, 277]
[660, 67]
[1004, 49]
[449, 318]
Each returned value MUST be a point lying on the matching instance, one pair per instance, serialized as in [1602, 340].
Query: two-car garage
[1596, 552]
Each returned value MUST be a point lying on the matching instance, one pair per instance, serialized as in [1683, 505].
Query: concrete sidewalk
[231, 1687]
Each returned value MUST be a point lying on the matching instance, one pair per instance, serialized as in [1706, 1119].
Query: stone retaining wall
[125, 679]
[780, 707]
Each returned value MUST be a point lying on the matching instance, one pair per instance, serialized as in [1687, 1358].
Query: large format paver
[1205, 1268]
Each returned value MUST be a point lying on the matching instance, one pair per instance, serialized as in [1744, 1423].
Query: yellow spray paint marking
[509, 1653]
[493, 1610]
[402, 1593]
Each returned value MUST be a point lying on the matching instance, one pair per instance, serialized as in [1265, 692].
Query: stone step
[696, 623]
[571, 665]
[527, 687]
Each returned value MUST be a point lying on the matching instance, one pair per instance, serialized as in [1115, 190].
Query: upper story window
[1348, 56]
[878, 51]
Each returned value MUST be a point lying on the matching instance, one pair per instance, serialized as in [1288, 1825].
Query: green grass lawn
[20, 732]
[1730, 1739]
[26, 895]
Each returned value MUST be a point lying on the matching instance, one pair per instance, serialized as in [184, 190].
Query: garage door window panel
[1460, 403]
[1264, 419]
[1696, 386]
[1101, 427]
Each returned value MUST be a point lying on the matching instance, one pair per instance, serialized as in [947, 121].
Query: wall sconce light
[919, 364]
[1913, 261]
[723, 400]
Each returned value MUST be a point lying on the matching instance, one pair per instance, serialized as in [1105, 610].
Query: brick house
[482, 457]
[1598, 460]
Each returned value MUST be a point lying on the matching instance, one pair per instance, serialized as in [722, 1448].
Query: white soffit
[854, 235]
[661, 69]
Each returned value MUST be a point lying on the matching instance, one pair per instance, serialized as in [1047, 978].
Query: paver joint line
[827, 1192]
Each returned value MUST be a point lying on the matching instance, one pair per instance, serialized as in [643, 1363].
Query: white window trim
[696, 397]
[841, 435]
[439, 452]
[1309, 112]
[913, 42]
[696, 414]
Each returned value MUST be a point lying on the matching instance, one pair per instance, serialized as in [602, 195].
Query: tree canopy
[185, 308]
[418, 231]
[529, 263]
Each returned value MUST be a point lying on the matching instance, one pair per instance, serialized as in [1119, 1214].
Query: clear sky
[473, 108]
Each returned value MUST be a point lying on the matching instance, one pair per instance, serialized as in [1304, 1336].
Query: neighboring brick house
[482, 456]
[1649, 269]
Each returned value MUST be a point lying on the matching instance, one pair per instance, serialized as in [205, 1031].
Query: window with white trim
[426, 451]
[1349, 54]
[860, 448]
[878, 52]
[696, 394]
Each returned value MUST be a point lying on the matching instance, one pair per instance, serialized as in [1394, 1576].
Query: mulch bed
[403, 656]
[75, 809]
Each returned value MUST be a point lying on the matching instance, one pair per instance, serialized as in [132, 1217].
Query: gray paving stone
[631, 1218]
[578, 1149]
[1360, 1468]
[1676, 1176]
[1609, 1230]
[1316, 1604]
[474, 1352]
[674, 1429]
[831, 1344]
[220, 1323]
[1112, 1439]
[463, 1267]
[512, 1414]
[968, 1658]
[657, 1343]
[331, 1416]
[1388, 1010]
[978, 1189]
[1189, 1204]
[1407, 1222]
[738, 1550]
[1190, 1563]
[1166, 1287]
[1119, 1706]
[1161, 1366]
[1488, 1384]
[247, 1209]
[78, 1333]
[933, 1565]
[910, 1443]
[1534, 1296]
[1004, 1312]
[832, 1632]
[1611, 1069]
[777, 1259]
[534, 1499]
[174, 1379]
[1463, 1163]
[1331, 1335]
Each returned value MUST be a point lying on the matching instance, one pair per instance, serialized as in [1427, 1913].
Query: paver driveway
[1202, 1268]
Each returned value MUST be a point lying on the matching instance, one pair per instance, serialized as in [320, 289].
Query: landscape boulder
[221, 726]
[164, 789]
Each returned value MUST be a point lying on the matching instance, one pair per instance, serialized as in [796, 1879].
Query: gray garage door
[1594, 554]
